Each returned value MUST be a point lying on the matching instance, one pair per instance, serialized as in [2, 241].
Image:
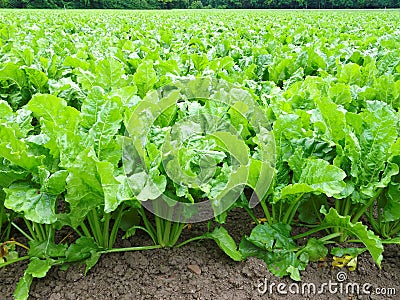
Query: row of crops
[107, 115]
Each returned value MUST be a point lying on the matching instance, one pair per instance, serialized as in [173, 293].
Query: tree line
[181, 4]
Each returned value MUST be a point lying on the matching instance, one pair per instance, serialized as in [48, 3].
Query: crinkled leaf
[145, 77]
[369, 239]
[315, 249]
[83, 248]
[37, 78]
[16, 150]
[101, 120]
[36, 206]
[84, 190]
[270, 237]
[46, 249]
[60, 123]
[317, 176]
[110, 74]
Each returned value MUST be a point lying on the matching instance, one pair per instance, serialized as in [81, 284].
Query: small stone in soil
[195, 269]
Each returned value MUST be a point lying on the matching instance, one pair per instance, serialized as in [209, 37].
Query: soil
[200, 270]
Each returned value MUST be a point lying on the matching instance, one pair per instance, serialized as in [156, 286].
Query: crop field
[118, 124]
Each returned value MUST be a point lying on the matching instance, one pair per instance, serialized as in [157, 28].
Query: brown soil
[167, 274]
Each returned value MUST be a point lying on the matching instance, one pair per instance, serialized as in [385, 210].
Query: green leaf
[318, 176]
[350, 74]
[100, 120]
[333, 119]
[36, 206]
[391, 209]
[274, 245]
[145, 77]
[37, 78]
[223, 239]
[60, 123]
[315, 249]
[19, 121]
[340, 94]
[115, 189]
[84, 190]
[46, 249]
[83, 248]
[8, 175]
[92, 260]
[110, 74]
[200, 62]
[353, 252]
[367, 237]
[248, 249]
[38, 268]
[13, 72]
[309, 208]
[22, 290]
[270, 237]
[53, 184]
[16, 150]
[375, 142]
[261, 174]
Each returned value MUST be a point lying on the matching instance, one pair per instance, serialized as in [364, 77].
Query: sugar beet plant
[192, 140]
[113, 123]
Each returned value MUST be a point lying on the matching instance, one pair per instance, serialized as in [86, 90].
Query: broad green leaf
[115, 189]
[369, 147]
[36, 206]
[340, 94]
[84, 190]
[225, 242]
[274, 245]
[333, 118]
[145, 77]
[350, 74]
[100, 121]
[60, 123]
[37, 78]
[53, 184]
[315, 250]
[232, 145]
[369, 239]
[110, 74]
[269, 237]
[200, 62]
[8, 175]
[16, 150]
[317, 176]
[13, 72]
[82, 249]
[46, 249]
[38, 268]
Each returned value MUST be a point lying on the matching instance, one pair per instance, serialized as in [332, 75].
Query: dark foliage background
[170, 4]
